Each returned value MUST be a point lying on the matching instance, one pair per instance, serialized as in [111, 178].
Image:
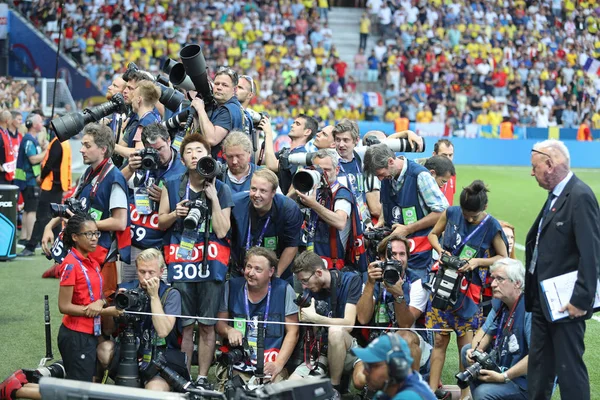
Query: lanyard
[158, 178]
[248, 305]
[260, 237]
[503, 331]
[87, 278]
[466, 240]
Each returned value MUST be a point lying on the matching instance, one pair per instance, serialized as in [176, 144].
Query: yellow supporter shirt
[495, 118]
[238, 28]
[160, 48]
[319, 53]
[227, 26]
[365, 24]
[174, 49]
[90, 43]
[354, 115]
[483, 119]
[233, 53]
[339, 113]
[324, 112]
[572, 58]
[424, 116]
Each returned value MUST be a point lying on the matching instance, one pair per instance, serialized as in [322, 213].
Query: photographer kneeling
[505, 375]
[258, 294]
[156, 333]
[329, 298]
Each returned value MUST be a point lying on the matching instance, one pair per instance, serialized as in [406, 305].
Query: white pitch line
[595, 317]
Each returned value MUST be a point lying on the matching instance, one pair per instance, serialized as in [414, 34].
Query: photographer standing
[193, 207]
[237, 151]
[102, 192]
[506, 333]
[228, 115]
[334, 226]
[472, 241]
[157, 333]
[411, 202]
[160, 162]
[264, 218]
[81, 299]
[393, 304]
[259, 294]
[337, 292]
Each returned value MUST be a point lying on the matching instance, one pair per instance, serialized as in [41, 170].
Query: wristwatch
[399, 299]
[506, 378]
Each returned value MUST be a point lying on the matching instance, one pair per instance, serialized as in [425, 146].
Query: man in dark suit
[565, 237]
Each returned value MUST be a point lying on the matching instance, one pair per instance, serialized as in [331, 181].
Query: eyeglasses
[305, 281]
[228, 71]
[91, 234]
[249, 79]
[499, 279]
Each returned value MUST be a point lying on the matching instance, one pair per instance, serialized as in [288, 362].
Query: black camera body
[136, 300]
[235, 355]
[198, 213]
[483, 360]
[444, 285]
[150, 159]
[321, 306]
[72, 204]
[392, 271]
[377, 234]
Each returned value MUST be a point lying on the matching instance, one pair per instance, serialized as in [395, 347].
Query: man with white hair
[564, 238]
[511, 325]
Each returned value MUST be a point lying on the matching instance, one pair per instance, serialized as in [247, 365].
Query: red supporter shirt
[71, 274]
[449, 189]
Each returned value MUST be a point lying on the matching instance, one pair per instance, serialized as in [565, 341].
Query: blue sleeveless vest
[24, 172]
[146, 324]
[479, 246]
[355, 252]
[396, 206]
[356, 184]
[239, 122]
[344, 279]
[145, 233]
[180, 270]
[241, 187]
[150, 118]
[508, 359]
[275, 333]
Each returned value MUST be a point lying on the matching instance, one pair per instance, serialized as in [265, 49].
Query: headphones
[398, 366]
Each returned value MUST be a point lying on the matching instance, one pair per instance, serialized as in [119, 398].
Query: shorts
[304, 370]
[200, 299]
[78, 351]
[31, 197]
[372, 75]
[438, 319]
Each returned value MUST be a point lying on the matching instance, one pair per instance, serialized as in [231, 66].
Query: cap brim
[366, 355]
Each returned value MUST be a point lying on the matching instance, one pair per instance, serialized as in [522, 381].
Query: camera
[150, 159]
[377, 234]
[305, 179]
[72, 204]
[235, 355]
[198, 213]
[173, 124]
[256, 116]
[209, 168]
[71, 124]
[194, 68]
[304, 299]
[444, 284]
[135, 300]
[483, 360]
[392, 271]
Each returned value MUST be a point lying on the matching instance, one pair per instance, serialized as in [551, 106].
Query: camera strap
[505, 328]
[335, 281]
[97, 329]
[100, 172]
[253, 340]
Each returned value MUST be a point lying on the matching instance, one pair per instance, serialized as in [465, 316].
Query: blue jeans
[492, 391]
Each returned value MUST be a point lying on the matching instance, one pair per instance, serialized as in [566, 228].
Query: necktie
[534, 257]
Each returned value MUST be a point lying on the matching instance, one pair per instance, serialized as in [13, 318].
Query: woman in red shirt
[80, 299]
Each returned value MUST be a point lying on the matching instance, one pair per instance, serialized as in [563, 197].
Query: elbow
[362, 319]
[121, 225]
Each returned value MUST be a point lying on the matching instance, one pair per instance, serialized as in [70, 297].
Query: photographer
[339, 291]
[393, 304]
[334, 226]
[102, 192]
[302, 130]
[264, 218]
[237, 151]
[441, 168]
[411, 202]
[81, 299]
[387, 370]
[206, 205]
[259, 294]
[156, 333]
[472, 241]
[510, 324]
[228, 116]
[246, 90]
[159, 163]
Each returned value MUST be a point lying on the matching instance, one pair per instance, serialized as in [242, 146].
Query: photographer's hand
[309, 314]
[94, 309]
[111, 312]
[402, 230]
[469, 266]
[234, 337]
[395, 290]
[181, 210]
[374, 272]
[135, 161]
[47, 241]
[154, 192]
[309, 201]
[210, 190]
[152, 286]
[273, 369]
[470, 356]
[489, 376]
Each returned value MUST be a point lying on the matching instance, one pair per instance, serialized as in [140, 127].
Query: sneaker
[23, 242]
[26, 253]
[443, 394]
[336, 395]
[12, 384]
[204, 383]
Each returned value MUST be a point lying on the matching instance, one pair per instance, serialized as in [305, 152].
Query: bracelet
[506, 378]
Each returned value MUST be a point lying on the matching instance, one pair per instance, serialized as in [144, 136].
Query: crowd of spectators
[18, 95]
[459, 61]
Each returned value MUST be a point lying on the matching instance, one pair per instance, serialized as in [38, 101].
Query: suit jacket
[569, 241]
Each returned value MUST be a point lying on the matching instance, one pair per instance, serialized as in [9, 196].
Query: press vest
[508, 359]
[405, 205]
[65, 168]
[239, 122]
[182, 270]
[25, 169]
[240, 187]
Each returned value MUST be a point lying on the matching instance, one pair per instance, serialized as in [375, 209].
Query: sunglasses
[228, 71]
[541, 152]
[249, 79]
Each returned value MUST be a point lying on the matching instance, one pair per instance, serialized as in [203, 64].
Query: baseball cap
[379, 349]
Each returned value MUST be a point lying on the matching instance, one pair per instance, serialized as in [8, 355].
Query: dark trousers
[363, 41]
[559, 349]
[43, 215]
